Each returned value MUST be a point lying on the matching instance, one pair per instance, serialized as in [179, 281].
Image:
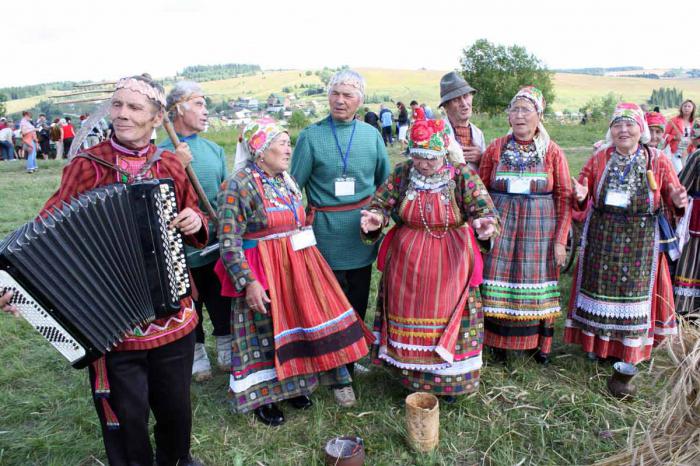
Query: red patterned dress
[428, 323]
[622, 299]
[311, 331]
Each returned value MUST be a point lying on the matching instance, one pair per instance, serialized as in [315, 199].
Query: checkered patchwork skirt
[521, 288]
[254, 380]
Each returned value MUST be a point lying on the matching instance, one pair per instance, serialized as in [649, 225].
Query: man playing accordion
[151, 368]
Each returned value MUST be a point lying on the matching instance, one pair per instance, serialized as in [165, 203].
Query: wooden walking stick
[190, 173]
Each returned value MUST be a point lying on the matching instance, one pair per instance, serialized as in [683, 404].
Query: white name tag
[303, 239]
[345, 186]
[519, 185]
[617, 199]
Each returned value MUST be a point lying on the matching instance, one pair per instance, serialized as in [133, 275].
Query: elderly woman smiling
[528, 177]
[622, 299]
[292, 326]
[429, 319]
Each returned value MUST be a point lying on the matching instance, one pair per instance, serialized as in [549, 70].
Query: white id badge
[303, 239]
[345, 186]
[617, 199]
[519, 185]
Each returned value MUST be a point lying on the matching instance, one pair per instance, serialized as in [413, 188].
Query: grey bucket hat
[453, 85]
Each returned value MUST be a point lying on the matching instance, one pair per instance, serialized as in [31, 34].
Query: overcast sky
[92, 39]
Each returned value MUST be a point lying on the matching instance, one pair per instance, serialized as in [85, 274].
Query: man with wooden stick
[187, 108]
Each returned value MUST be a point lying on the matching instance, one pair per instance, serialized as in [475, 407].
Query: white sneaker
[223, 353]
[201, 369]
[345, 396]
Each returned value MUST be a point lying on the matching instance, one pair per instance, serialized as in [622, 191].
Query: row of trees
[666, 97]
[212, 72]
[21, 92]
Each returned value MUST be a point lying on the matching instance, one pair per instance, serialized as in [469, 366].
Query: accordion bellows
[106, 262]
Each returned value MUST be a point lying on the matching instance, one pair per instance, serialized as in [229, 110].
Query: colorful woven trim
[102, 392]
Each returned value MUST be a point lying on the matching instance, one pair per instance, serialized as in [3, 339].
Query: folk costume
[530, 185]
[150, 369]
[310, 331]
[429, 324]
[209, 165]
[340, 164]
[687, 280]
[622, 300]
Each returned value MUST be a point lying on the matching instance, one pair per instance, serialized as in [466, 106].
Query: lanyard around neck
[343, 156]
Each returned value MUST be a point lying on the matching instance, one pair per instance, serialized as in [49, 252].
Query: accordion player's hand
[188, 221]
[6, 306]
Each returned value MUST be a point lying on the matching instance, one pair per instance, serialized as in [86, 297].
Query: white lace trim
[687, 292]
[528, 286]
[606, 309]
[593, 324]
[406, 346]
[241, 385]
[520, 312]
[458, 368]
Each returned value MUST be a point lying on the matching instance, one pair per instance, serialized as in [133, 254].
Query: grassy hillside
[572, 90]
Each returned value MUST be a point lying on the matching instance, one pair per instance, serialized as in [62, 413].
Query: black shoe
[270, 414]
[542, 358]
[301, 402]
[499, 355]
[448, 400]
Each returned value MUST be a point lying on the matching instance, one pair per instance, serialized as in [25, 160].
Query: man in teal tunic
[340, 161]
[188, 110]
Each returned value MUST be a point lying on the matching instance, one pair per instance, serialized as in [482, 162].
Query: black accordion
[87, 274]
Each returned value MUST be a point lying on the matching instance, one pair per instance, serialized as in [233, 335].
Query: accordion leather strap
[104, 163]
[102, 392]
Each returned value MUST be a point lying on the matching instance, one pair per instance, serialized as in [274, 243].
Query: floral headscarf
[255, 139]
[655, 119]
[428, 139]
[536, 98]
[532, 94]
[629, 111]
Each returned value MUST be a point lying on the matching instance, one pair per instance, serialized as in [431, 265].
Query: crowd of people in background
[29, 139]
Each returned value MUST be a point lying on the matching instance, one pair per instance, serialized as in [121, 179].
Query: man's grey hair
[181, 92]
[350, 78]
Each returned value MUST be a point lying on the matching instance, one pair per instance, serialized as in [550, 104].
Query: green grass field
[522, 414]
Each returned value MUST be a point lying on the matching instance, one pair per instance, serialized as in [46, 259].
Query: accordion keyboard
[176, 264]
[40, 319]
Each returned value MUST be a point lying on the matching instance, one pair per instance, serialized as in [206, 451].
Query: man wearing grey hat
[456, 98]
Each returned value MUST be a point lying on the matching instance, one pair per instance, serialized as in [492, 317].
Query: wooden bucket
[423, 421]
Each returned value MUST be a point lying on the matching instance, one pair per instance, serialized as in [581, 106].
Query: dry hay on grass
[673, 438]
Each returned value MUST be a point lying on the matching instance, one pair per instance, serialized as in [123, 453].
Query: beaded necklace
[626, 172]
[441, 182]
[519, 156]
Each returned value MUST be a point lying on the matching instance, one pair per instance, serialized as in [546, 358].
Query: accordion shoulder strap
[92, 158]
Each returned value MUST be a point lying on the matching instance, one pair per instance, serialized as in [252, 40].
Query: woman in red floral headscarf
[428, 323]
